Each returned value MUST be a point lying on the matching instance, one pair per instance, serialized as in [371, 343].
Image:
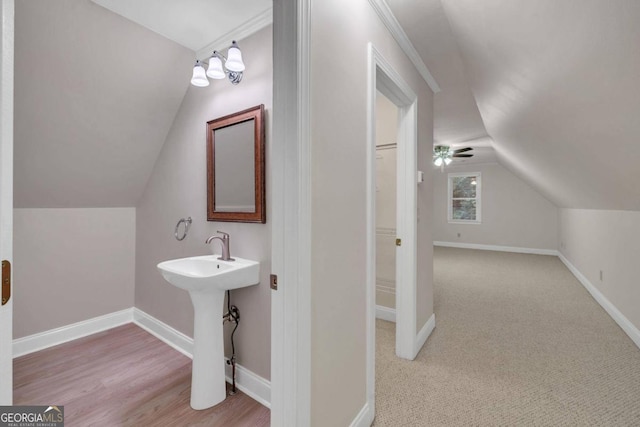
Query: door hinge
[274, 282]
[6, 281]
[398, 242]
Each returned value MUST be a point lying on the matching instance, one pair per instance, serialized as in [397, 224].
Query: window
[464, 197]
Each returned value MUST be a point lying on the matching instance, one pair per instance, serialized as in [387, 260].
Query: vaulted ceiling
[97, 90]
[555, 84]
[549, 88]
[199, 25]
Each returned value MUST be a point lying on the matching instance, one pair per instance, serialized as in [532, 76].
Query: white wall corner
[425, 333]
[385, 313]
[514, 249]
[608, 306]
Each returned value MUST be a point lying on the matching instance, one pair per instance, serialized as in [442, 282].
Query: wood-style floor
[123, 377]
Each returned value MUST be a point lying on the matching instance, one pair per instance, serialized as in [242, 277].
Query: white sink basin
[207, 278]
[202, 273]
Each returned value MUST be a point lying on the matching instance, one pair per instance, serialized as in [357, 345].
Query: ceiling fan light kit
[443, 155]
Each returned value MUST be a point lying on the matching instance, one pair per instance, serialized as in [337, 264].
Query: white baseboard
[424, 333]
[53, 337]
[515, 249]
[364, 417]
[164, 332]
[251, 384]
[389, 314]
[385, 313]
[248, 382]
[615, 314]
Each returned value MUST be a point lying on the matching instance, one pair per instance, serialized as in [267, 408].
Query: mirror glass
[235, 167]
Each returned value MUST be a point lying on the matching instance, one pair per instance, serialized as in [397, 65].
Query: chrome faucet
[226, 252]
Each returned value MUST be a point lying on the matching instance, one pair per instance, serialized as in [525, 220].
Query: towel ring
[187, 223]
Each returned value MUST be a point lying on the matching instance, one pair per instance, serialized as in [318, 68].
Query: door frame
[384, 78]
[291, 215]
[290, 172]
[6, 193]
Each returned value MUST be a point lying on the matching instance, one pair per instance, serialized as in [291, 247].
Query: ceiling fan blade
[462, 150]
[462, 155]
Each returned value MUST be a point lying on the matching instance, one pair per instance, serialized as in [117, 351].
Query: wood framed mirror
[235, 167]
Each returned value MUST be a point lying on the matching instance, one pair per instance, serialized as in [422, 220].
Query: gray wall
[90, 119]
[513, 213]
[177, 189]
[607, 241]
[338, 231]
[71, 265]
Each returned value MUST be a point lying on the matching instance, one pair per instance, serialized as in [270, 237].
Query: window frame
[478, 198]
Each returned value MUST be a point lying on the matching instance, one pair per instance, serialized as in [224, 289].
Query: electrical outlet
[601, 275]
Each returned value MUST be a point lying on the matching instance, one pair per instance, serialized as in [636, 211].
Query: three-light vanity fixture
[233, 67]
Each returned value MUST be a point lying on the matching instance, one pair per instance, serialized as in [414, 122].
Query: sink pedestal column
[208, 383]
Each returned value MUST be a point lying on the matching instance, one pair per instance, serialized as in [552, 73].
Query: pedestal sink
[207, 278]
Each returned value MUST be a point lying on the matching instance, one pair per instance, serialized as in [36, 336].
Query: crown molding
[388, 18]
[251, 26]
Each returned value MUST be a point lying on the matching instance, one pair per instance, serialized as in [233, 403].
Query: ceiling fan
[443, 155]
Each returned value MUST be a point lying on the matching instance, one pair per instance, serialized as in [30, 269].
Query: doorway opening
[386, 200]
[383, 79]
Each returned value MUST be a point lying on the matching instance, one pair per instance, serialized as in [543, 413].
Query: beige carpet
[518, 342]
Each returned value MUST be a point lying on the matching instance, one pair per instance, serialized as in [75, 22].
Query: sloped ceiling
[551, 85]
[555, 84]
[95, 95]
[457, 120]
[193, 23]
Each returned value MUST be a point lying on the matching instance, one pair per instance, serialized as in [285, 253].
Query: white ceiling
[551, 85]
[456, 115]
[192, 23]
[457, 120]
[483, 152]
[555, 84]
[97, 93]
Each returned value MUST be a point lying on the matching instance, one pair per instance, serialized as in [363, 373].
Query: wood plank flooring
[123, 377]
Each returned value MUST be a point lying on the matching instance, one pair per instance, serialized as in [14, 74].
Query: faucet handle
[225, 235]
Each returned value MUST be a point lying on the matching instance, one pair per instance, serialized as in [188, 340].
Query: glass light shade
[447, 161]
[437, 161]
[199, 77]
[234, 59]
[215, 70]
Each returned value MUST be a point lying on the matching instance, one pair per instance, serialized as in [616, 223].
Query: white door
[6, 195]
